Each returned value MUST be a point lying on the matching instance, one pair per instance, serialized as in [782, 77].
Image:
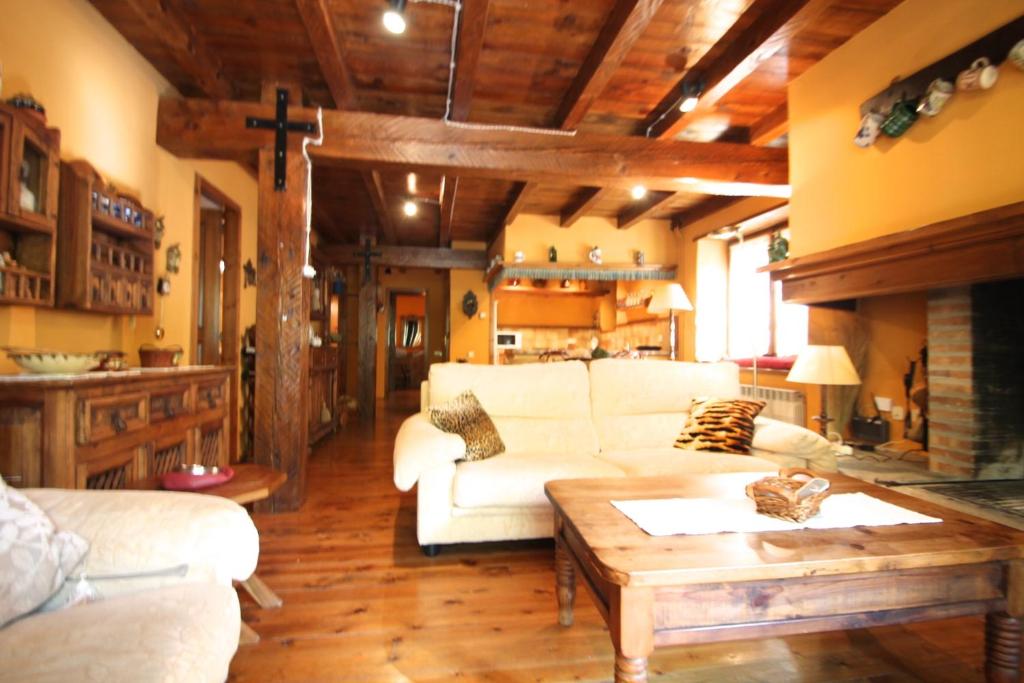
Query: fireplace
[976, 380]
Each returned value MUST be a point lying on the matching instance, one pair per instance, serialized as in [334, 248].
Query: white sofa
[567, 421]
[168, 628]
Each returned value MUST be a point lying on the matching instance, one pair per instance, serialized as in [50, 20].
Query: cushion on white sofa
[540, 390]
[658, 394]
[651, 462]
[171, 634]
[567, 435]
[517, 479]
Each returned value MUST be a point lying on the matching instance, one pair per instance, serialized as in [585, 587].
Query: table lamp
[827, 366]
[670, 297]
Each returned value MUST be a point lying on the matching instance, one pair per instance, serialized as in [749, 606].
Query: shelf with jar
[105, 245]
[29, 180]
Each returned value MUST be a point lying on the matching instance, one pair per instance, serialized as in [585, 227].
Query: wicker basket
[776, 496]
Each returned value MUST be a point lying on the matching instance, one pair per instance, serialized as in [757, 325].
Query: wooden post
[282, 325]
[368, 343]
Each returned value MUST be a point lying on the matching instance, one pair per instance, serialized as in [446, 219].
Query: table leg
[565, 581]
[248, 636]
[1002, 648]
[261, 593]
[630, 669]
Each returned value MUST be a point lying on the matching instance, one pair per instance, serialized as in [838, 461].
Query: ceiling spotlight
[691, 95]
[410, 183]
[409, 208]
[394, 21]
[638, 192]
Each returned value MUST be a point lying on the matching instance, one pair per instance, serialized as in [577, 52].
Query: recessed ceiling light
[638, 192]
[394, 21]
[409, 208]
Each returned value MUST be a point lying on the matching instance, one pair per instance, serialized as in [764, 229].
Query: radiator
[787, 405]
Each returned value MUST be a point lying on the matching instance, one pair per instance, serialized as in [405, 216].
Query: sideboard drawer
[102, 417]
[210, 396]
[168, 405]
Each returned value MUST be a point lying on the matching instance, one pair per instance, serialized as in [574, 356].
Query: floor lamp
[670, 298]
[827, 366]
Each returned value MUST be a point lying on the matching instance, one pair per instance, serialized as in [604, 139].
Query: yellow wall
[533, 234]
[470, 337]
[967, 159]
[409, 280]
[897, 328]
[103, 96]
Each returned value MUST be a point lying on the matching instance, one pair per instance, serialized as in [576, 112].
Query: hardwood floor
[361, 603]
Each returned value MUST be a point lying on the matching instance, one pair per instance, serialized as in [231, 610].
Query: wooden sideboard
[104, 430]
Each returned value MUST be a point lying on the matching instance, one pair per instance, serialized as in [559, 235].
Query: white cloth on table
[697, 516]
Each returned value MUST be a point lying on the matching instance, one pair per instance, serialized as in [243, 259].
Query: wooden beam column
[368, 343]
[282, 324]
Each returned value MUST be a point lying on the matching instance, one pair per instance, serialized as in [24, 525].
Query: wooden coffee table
[681, 590]
[250, 484]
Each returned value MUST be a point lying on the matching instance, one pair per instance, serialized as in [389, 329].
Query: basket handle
[794, 472]
[783, 492]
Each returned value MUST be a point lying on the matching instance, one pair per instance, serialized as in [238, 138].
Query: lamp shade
[824, 365]
[669, 297]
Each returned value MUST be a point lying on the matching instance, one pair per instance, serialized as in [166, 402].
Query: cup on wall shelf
[981, 75]
[1016, 55]
[870, 127]
[938, 93]
[900, 119]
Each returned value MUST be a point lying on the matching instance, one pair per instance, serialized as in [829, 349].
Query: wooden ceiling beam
[771, 126]
[167, 22]
[708, 207]
[747, 46]
[216, 129]
[639, 210]
[624, 26]
[449, 189]
[316, 15]
[470, 43]
[520, 195]
[407, 257]
[578, 208]
[375, 188]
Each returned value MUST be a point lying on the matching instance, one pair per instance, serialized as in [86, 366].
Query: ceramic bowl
[44, 362]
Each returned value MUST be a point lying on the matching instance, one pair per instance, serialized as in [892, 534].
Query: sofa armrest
[780, 437]
[145, 531]
[419, 446]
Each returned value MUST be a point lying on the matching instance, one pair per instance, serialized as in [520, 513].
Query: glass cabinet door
[33, 183]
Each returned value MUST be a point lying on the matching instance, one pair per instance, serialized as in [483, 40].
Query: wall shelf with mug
[925, 92]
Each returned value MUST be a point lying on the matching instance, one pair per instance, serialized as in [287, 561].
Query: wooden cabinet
[105, 248]
[29, 181]
[106, 430]
[323, 360]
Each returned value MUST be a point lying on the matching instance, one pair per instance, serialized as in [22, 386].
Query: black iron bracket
[281, 127]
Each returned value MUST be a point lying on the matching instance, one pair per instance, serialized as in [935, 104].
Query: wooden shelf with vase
[29, 181]
[105, 247]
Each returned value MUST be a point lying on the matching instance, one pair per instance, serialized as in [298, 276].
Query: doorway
[216, 286]
[407, 335]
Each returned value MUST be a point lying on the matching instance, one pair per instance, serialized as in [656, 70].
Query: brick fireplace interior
[976, 380]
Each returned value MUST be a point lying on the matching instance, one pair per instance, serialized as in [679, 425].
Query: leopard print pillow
[720, 425]
[463, 415]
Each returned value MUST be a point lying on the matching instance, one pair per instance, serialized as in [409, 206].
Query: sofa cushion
[186, 633]
[463, 415]
[651, 462]
[566, 436]
[720, 425]
[517, 479]
[35, 558]
[644, 403]
[536, 390]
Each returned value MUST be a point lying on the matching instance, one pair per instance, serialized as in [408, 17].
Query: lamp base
[823, 419]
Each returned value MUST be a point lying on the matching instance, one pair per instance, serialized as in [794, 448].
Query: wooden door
[211, 252]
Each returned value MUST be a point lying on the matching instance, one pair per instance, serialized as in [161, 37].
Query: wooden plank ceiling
[614, 67]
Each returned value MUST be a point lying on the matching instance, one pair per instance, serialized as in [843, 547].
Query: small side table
[251, 483]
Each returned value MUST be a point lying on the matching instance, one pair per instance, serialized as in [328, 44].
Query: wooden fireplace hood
[978, 247]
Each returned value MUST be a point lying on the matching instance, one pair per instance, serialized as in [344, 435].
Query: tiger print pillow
[463, 415]
[720, 425]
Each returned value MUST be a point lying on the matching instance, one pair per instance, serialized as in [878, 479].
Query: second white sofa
[565, 421]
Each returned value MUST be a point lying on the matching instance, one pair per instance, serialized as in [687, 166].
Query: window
[755, 320]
